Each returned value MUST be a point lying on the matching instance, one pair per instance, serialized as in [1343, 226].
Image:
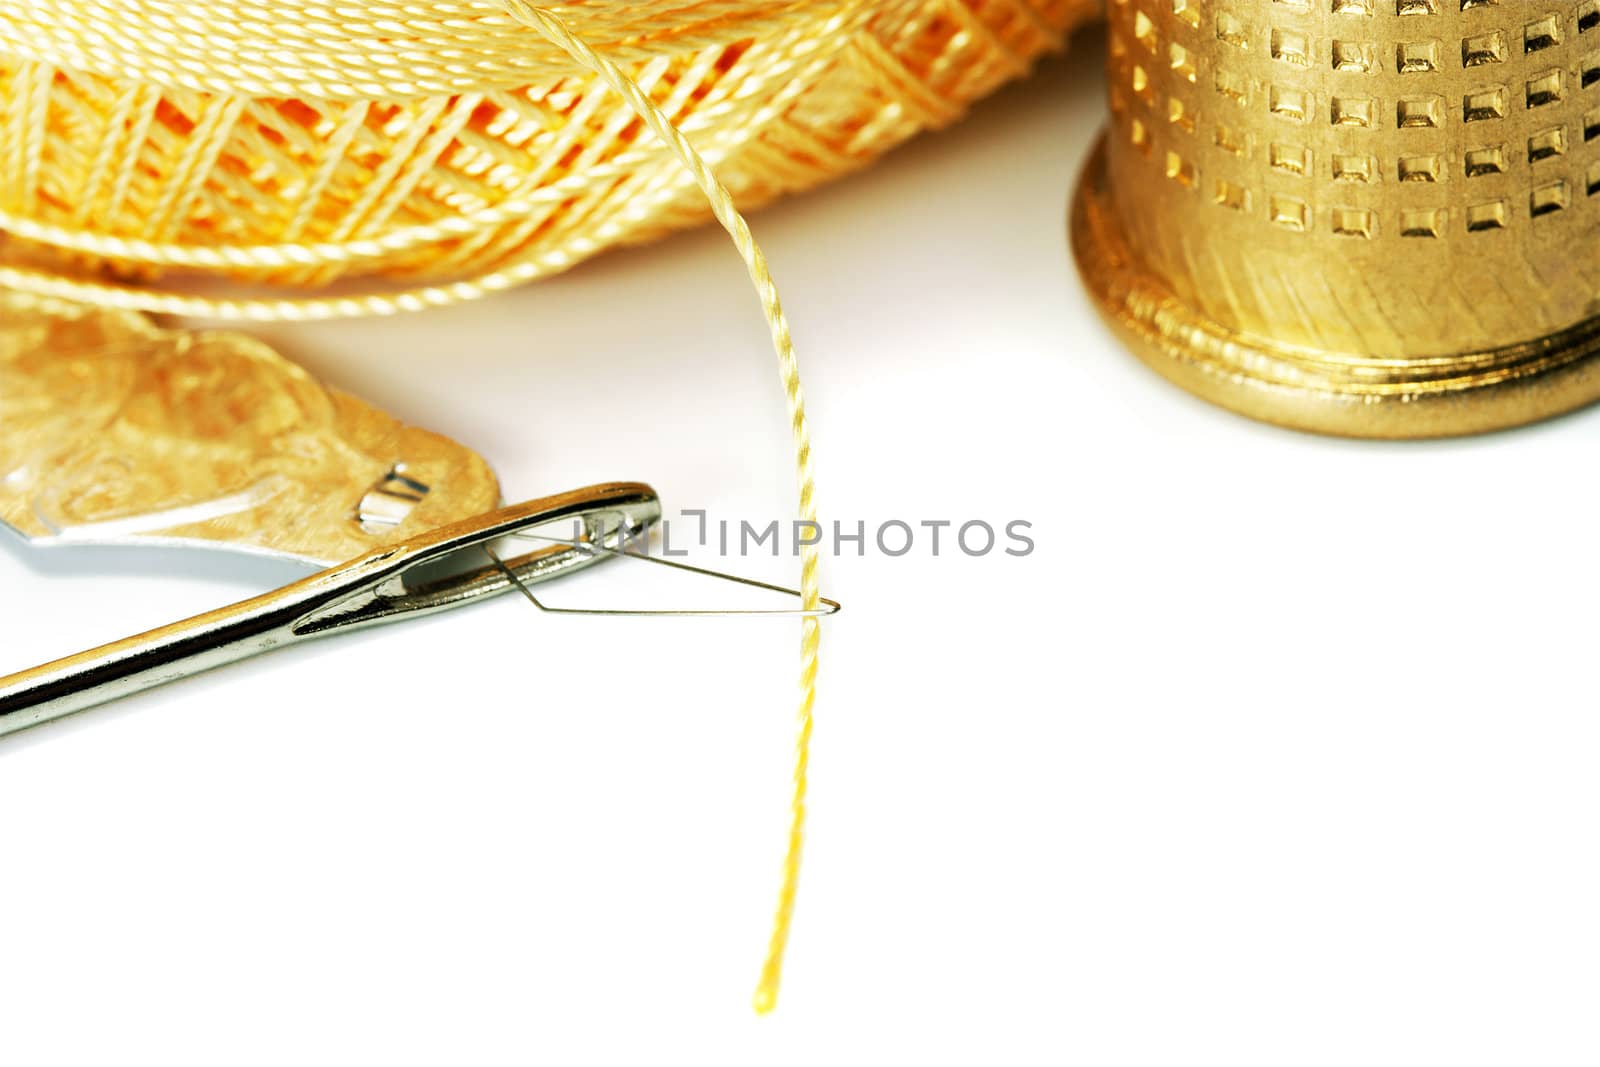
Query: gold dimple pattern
[1433, 136]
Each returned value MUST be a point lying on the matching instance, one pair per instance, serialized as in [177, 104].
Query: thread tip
[765, 999]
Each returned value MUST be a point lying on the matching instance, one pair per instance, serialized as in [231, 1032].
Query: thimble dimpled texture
[1393, 179]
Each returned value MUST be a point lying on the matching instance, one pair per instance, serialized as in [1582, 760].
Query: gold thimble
[1365, 217]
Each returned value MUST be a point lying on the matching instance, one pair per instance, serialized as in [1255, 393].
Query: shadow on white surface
[1277, 750]
[190, 563]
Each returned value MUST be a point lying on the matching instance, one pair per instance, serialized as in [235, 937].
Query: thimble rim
[1305, 389]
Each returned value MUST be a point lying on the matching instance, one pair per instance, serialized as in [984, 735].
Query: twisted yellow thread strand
[440, 141]
[722, 206]
[295, 143]
[355, 51]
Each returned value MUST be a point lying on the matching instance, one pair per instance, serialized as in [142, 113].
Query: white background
[1278, 750]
